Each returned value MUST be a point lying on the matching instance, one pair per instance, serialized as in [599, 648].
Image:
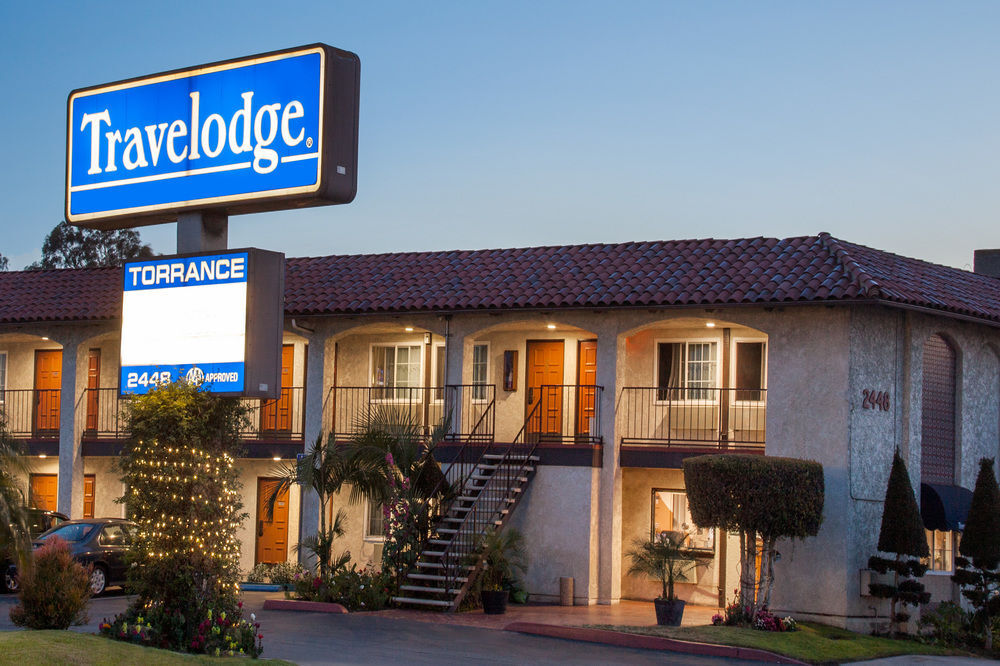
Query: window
[751, 364]
[3, 376]
[942, 546]
[396, 368]
[113, 535]
[685, 365]
[374, 521]
[670, 514]
[480, 370]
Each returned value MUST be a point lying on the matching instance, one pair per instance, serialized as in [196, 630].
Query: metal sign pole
[202, 231]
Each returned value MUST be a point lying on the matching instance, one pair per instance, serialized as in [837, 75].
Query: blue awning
[944, 508]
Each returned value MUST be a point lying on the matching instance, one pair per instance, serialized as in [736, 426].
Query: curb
[621, 639]
[261, 587]
[308, 606]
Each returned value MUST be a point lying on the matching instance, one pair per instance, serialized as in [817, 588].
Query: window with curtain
[686, 370]
[942, 546]
[670, 515]
[374, 521]
[395, 368]
[480, 370]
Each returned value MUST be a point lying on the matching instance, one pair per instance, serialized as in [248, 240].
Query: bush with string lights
[182, 491]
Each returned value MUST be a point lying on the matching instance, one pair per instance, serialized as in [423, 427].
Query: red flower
[239, 604]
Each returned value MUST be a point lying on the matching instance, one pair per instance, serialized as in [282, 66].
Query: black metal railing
[564, 413]
[491, 487]
[31, 413]
[697, 417]
[468, 408]
[103, 411]
[282, 418]
[279, 418]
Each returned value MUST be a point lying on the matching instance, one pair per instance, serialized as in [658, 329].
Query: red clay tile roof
[661, 273]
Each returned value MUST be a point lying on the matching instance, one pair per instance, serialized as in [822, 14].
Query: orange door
[88, 495]
[48, 379]
[544, 368]
[276, 415]
[93, 384]
[586, 376]
[43, 490]
[272, 535]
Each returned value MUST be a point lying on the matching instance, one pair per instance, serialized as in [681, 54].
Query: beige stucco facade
[584, 506]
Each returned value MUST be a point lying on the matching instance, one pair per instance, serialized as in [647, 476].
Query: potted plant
[504, 558]
[663, 559]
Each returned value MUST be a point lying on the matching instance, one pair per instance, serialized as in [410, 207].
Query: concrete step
[420, 576]
[429, 590]
[422, 602]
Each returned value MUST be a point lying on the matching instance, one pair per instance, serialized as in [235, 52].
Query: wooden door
[88, 495]
[586, 376]
[544, 368]
[272, 535]
[93, 384]
[48, 380]
[43, 491]
[276, 415]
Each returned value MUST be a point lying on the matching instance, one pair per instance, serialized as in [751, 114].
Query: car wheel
[10, 582]
[98, 580]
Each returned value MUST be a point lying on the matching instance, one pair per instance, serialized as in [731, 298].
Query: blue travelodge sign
[277, 130]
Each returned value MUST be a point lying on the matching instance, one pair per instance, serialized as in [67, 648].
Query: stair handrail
[448, 555]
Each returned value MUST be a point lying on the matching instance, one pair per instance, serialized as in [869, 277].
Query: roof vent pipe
[986, 262]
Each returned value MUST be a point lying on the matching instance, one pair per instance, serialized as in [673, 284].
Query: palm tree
[663, 559]
[324, 470]
[13, 516]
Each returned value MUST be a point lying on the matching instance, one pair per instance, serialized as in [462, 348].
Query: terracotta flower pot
[494, 601]
[669, 613]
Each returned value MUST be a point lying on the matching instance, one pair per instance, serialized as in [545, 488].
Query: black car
[39, 521]
[97, 542]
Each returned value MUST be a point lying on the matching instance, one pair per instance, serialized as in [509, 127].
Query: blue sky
[503, 124]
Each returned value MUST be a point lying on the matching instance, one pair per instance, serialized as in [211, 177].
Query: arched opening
[692, 383]
[533, 380]
[393, 368]
[937, 436]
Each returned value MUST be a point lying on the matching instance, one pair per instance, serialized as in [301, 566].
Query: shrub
[946, 625]
[356, 590]
[283, 572]
[978, 568]
[54, 591]
[756, 496]
[901, 534]
[261, 573]
[182, 489]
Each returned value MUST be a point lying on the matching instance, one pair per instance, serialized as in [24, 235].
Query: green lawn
[816, 643]
[67, 647]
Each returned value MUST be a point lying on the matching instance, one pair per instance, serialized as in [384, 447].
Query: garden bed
[814, 643]
[305, 606]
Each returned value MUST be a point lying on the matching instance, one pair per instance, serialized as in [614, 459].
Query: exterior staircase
[488, 488]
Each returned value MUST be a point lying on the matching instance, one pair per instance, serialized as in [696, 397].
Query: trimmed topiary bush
[763, 497]
[901, 534]
[54, 591]
[977, 567]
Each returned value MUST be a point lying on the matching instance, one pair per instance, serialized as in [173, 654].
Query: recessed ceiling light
[42, 455]
[551, 326]
[276, 458]
[710, 324]
[409, 329]
[44, 338]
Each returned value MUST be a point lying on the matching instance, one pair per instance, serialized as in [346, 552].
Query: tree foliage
[14, 539]
[67, 246]
[3, 263]
[977, 568]
[661, 558]
[761, 498]
[182, 489]
[902, 535]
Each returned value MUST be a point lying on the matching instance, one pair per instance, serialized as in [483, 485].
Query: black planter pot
[494, 601]
[669, 613]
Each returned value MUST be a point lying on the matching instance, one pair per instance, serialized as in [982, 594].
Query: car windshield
[71, 532]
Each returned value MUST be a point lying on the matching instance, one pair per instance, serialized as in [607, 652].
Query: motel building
[618, 361]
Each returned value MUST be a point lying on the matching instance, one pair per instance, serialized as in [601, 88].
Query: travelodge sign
[277, 130]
